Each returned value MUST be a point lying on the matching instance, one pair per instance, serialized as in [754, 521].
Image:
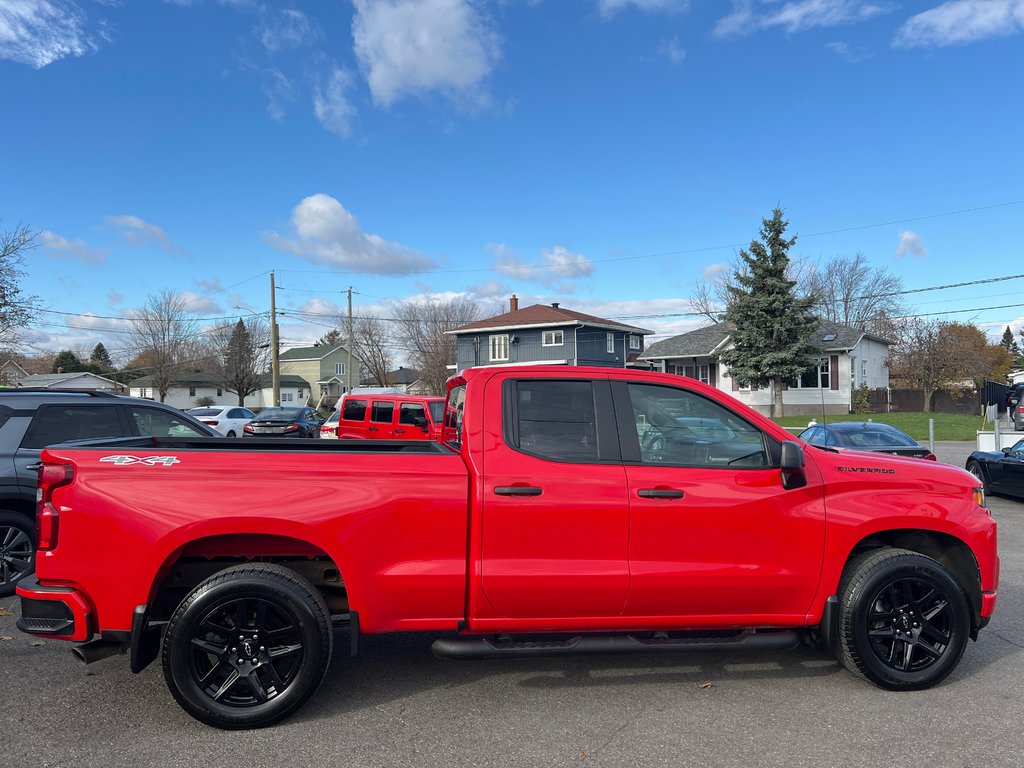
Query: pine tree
[67, 362]
[770, 326]
[330, 339]
[241, 372]
[1010, 345]
[100, 358]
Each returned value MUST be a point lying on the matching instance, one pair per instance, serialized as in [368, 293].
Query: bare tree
[16, 309]
[372, 343]
[421, 329]
[165, 332]
[240, 355]
[847, 290]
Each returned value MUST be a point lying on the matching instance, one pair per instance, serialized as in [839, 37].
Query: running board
[465, 648]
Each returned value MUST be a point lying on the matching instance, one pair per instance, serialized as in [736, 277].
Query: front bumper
[58, 612]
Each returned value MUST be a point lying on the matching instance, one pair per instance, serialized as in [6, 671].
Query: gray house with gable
[547, 334]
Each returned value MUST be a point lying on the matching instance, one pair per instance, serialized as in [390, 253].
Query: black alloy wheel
[248, 646]
[17, 551]
[903, 620]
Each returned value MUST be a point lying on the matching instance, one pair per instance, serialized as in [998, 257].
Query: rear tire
[903, 620]
[248, 646]
[17, 550]
[231, 434]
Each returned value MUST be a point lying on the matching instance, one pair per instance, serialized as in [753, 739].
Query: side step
[506, 646]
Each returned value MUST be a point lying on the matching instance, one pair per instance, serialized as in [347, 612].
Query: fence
[967, 401]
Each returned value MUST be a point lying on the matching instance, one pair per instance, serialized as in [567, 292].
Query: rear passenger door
[382, 417]
[54, 424]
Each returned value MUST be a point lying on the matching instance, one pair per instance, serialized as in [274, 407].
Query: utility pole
[275, 361]
[351, 341]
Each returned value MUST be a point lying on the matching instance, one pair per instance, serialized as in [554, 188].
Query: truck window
[556, 420]
[354, 410]
[676, 426]
[382, 413]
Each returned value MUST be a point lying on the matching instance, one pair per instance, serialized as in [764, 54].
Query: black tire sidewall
[184, 626]
[26, 526]
[975, 469]
[907, 566]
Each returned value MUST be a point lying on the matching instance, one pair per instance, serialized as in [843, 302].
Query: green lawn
[948, 426]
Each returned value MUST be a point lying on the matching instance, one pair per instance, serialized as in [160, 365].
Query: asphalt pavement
[396, 705]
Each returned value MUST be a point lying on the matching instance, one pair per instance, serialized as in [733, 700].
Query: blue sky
[606, 154]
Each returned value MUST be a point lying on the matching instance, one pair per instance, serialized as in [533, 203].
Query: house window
[220, 392]
[300, 394]
[143, 393]
[634, 342]
[704, 373]
[499, 347]
[610, 342]
[819, 377]
[553, 338]
[191, 391]
[339, 369]
[286, 397]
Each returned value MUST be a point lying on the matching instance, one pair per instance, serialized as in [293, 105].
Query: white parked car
[226, 419]
[329, 429]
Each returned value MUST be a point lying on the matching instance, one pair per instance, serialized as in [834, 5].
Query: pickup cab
[565, 510]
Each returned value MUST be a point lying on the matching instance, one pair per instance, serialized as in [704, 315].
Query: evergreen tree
[67, 362]
[241, 372]
[1010, 345]
[770, 326]
[330, 339]
[100, 358]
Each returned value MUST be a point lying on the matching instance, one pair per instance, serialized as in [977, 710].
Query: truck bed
[250, 444]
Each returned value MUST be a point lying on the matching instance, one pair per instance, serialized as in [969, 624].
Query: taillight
[930, 457]
[247, 428]
[291, 428]
[328, 430]
[51, 477]
[211, 423]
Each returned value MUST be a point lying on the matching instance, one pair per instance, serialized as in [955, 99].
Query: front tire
[17, 550]
[903, 620]
[975, 469]
[248, 646]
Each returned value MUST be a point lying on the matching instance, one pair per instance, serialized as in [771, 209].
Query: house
[407, 380]
[11, 373]
[849, 357]
[324, 369]
[79, 380]
[546, 334]
[191, 388]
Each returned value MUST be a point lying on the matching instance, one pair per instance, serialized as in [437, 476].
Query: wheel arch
[949, 551]
[199, 558]
[20, 506]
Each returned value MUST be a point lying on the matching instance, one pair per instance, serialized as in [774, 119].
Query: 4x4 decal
[149, 461]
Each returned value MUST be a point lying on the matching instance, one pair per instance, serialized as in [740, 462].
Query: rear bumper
[58, 612]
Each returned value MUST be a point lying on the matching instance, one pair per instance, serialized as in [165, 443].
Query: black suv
[31, 419]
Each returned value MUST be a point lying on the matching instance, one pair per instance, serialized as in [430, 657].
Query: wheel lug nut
[234, 650]
[262, 649]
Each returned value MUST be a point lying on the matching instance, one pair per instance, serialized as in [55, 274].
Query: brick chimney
[513, 303]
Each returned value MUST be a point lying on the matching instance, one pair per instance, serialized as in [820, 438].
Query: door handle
[35, 467]
[372, 429]
[518, 490]
[659, 493]
[399, 431]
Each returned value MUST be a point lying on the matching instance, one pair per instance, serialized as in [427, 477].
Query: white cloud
[959, 22]
[415, 47]
[910, 243]
[196, 304]
[278, 89]
[558, 266]
[714, 272]
[62, 248]
[672, 50]
[331, 105]
[794, 16]
[851, 55]
[135, 231]
[40, 32]
[326, 233]
[280, 30]
[608, 8]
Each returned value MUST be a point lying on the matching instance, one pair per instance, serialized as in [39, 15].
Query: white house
[849, 357]
[189, 389]
[81, 380]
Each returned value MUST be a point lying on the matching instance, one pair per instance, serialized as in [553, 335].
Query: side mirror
[420, 421]
[1007, 451]
[793, 475]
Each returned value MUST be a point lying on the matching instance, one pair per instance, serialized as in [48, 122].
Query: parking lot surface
[396, 705]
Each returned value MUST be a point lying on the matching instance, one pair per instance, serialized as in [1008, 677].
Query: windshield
[436, 410]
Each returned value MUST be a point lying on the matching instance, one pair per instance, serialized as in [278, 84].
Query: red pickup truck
[567, 510]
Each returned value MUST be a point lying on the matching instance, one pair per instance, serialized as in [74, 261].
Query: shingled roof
[544, 315]
[705, 342]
